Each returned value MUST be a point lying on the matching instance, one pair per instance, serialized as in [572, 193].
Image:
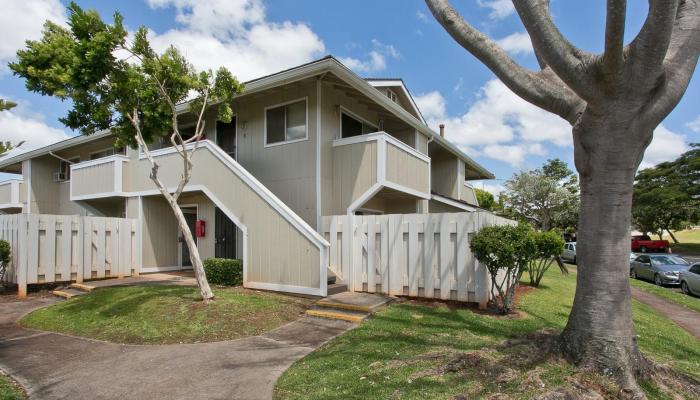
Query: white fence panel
[64, 248]
[416, 255]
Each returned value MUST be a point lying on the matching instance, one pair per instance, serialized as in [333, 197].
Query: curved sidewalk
[683, 317]
[55, 366]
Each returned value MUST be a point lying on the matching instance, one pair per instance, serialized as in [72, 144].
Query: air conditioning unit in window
[59, 176]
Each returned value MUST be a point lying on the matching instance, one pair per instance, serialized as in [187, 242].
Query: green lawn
[412, 351]
[9, 389]
[676, 297]
[167, 314]
[689, 242]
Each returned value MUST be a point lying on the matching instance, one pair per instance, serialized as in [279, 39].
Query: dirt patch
[8, 294]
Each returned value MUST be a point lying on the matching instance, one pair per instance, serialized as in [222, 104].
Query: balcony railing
[365, 164]
[11, 194]
[94, 179]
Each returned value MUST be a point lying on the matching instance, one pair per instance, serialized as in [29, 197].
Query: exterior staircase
[348, 306]
[73, 290]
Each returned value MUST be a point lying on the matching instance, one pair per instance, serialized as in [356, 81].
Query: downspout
[51, 153]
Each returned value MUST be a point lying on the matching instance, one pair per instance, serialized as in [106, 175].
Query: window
[63, 173]
[285, 123]
[695, 269]
[643, 259]
[351, 126]
[392, 96]
[107, 152]
[668, 260]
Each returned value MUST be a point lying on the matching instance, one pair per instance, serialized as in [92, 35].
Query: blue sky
[390, 38]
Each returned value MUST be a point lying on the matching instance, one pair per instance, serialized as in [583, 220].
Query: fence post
[22, 267]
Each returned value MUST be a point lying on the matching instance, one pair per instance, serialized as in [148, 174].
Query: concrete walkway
[684, 317]
[55, 366]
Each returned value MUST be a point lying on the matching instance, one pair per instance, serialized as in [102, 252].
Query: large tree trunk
[600, 333]
[672, 236]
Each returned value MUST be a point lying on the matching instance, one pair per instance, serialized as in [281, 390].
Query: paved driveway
[55, 366]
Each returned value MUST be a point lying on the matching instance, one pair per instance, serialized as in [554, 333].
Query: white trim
[376, 136]
[452, 202]
[29, 186]
[344, 110]
[98, 161]
[14, 193]
[319, 94]
[306, 123]
[405, 189]
[275, 287]
[399, 83]
[106, 149]
[373, 190]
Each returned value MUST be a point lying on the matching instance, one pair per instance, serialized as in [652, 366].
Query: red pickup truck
[644, 244]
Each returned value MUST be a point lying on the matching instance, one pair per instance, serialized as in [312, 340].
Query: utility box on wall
[200, 228]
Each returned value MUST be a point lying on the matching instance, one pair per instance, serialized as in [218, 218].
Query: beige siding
[94, 179]
[440, 207]
[469, 195]
[444, 178]
[295, 259]
[206, 212]
[354, 172]
[22, 192]
[422, 143]
[160, 234]
[6, 193]
[288, 170]
[406, 169]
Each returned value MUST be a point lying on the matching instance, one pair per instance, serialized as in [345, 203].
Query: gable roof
[397, 82]
[300, 72]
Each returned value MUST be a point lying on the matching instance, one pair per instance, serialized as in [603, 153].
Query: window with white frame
[352, 126]
[391, 95]
[108, 152]
[286, 123]
[63, 173]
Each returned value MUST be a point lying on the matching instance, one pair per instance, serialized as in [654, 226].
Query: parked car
[662, 269]
[690, 280]
[569, 253]
[644, 244]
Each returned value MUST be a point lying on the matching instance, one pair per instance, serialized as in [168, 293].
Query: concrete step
[68, 293]
[353, 301]
[344, 315]
[337, 288]
[85, 287]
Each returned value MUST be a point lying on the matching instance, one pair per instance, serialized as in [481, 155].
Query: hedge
[224, 271]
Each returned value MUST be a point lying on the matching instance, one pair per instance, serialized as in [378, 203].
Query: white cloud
[694, 125]
[431, 105]
[236, 34]
[517, 43]
[422, 16]
[666, 146]
[500, 9]
[16, 128]
[498, 116]
[22, 20]
[513, 154]
[375, 60]
[494, 188]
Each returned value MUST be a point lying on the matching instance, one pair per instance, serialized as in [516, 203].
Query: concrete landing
[348, 306]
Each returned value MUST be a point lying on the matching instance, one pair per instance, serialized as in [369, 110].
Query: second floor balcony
[94, 179]
[12, 194]
[366, 164]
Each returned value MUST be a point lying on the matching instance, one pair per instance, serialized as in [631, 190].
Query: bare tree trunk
[672, 236]
[600, 332]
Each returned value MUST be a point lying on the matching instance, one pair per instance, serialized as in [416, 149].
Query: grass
[167, 314]
[409, 351]
[673, 296]
[10, 390]
[689, 242]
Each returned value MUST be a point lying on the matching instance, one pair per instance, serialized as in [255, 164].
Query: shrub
[549, 245]
[5, 252]
[505, 251]
[224, 271]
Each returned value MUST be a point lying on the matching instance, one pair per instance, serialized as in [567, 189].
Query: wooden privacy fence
[63, 248]
[417, 255]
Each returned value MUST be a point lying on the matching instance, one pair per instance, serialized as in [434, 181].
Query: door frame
[216, 136]
[179, 231]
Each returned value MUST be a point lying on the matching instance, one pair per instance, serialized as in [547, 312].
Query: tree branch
[649, 48]
[614, 37]
[540, 89]
[680, 62]
[568, 62]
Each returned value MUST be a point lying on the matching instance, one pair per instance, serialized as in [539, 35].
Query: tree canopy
[667, 196]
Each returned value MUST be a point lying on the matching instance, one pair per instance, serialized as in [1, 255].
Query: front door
[225, 236]
[191, 218]
[226, 137]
